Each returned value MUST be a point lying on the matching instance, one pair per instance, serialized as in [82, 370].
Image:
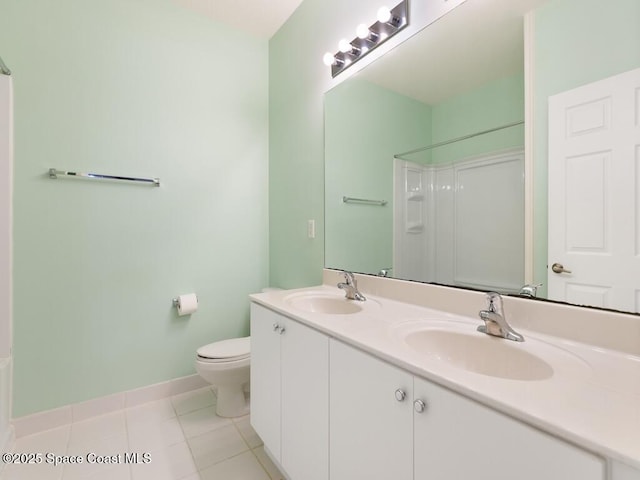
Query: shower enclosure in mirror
[408, 130]
[458, 216]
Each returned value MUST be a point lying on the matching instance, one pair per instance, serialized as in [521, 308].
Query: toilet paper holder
[186, 304]
[176, 302]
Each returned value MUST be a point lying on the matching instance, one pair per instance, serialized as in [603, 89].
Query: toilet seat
[226, 365]
[225, 351]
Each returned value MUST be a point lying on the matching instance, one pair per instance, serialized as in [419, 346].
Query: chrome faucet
[495, 322]
[350, 286]
[384, 272]
[529, 290]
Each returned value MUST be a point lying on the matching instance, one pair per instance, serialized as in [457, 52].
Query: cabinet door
[265, 377]
[456, 438]
[305, 402]
[370, 430]
[619, 471]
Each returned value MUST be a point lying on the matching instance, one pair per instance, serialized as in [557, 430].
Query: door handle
[559, 268]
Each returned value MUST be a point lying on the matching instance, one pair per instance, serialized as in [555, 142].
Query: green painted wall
[365, 125]
[576, 42]
[296, 153]
[138, 87]
[494, 104]
[297, 82]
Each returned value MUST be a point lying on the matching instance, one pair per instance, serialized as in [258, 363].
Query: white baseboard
[76, 412]
[6, 444]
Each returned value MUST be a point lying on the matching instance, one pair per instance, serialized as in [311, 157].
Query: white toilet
[225, 365]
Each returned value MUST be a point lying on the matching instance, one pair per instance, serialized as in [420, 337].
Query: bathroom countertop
[591, 400]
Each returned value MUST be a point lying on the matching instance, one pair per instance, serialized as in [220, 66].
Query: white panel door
[370, 430]
[594, 193]
[459, 439]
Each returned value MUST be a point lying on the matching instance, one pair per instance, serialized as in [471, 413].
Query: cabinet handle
[419, 406]
[276, 327]
[281, 331]
[400, 395]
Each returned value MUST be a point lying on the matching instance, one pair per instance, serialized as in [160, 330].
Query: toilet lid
[232, 348]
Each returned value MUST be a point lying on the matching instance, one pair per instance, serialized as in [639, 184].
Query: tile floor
[181, 435]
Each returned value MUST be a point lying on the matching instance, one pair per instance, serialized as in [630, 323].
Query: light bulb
[362, 31]
[329, 59]
[384, 14]
[344, 46]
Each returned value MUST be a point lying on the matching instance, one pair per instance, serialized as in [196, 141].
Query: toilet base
[232, 402]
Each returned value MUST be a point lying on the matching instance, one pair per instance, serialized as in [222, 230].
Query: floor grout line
[261, 464]
[241, 427]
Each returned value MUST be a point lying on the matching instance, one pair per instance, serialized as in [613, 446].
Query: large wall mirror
[425, 151]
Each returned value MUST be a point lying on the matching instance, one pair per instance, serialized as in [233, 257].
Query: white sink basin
[324, 303]
[460, 345]
[480, 353]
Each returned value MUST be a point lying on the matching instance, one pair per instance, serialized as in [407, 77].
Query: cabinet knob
[419, 406]
[400, 395]
[277, 328]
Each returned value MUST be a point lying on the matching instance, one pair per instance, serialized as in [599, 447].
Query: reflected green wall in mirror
[491, 105]
[366, 125]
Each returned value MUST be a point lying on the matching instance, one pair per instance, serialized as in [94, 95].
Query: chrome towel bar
[53, 173]
[382, 203]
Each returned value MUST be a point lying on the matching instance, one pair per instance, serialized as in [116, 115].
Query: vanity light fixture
[390, 22]
[363, 32]
[345, 47]
[384, 14]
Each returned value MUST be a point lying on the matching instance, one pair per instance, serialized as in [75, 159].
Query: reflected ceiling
[446, 44]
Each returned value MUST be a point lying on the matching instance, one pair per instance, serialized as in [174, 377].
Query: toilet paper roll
[187, 304]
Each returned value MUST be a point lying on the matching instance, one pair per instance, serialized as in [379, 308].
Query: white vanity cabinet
[456, 437]
[386, 423]
[289, 393]
[329, 411]
[620, 471]
[371, 417]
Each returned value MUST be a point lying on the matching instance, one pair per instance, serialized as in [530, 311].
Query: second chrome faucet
[350, 287]
[495, 322]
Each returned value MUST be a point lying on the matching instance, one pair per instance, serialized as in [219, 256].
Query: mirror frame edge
[529, 201]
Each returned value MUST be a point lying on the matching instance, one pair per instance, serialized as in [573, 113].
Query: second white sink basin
[324, 303]
[480, 353]
[462, 346]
